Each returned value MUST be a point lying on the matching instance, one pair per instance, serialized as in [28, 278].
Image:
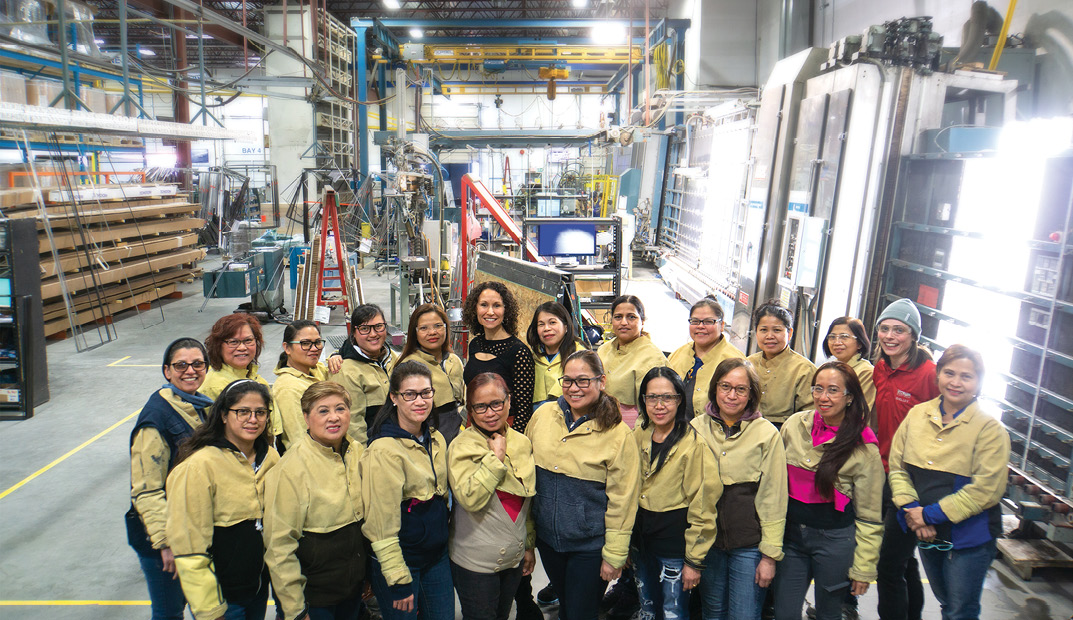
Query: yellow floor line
[66, 456]
[53, 603]
[116, 364]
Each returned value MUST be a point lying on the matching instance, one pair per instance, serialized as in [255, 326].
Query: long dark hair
[212, 431]
[569, 343]
[411, 331]
[289, 334]
[856, 327]
[225, 328]
[848, 437]
[389, 412]
[605, 412]
[681, 416]
[510, 308]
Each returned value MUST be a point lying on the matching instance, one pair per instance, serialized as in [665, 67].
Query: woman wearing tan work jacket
[313, 512]
[215, 507]
[752, 509]
[833, 523]
[493, 478]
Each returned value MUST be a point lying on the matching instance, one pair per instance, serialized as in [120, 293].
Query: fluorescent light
[579, 4]
[99, 42]
[608, 33]
[393, 4]
[146, 52]
[417, 33]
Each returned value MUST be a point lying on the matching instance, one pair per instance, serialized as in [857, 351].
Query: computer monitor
[566, 239]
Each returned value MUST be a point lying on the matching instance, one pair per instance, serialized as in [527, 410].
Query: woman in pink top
[835, 479]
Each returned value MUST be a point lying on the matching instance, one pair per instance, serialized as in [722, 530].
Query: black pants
[485, 596]
[576, 578]
[901, 594]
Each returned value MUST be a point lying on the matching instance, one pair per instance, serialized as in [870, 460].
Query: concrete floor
[64, 474]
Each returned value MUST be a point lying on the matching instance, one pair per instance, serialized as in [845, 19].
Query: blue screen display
[566, 239]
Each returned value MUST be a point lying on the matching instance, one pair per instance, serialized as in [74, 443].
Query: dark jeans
[165, 594]
[349, 609]
[252, 609]
[957, 578]
[659, 587]
[575, 575]
[901, 594]
[485, 596]
[824, 556]
[434, 595]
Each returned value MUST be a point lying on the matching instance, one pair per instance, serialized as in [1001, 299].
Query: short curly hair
[227, 327]
[510, 308]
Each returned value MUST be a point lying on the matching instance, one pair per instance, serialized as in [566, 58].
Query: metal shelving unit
[1036, 400]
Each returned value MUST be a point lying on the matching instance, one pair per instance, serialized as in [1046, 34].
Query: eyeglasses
[365, 329]
[581, 382]
[726, 388]
[246, 413]
[308, 344]
[661, 399]
[435, 327]
[832, 391]
[705, 322]
[840, 337]
[937, 545]
[897, 330]
[495, 405]
[235, 342]
[411, 395]
[182, 366]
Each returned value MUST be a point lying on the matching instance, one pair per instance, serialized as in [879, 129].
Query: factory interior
[178, 161]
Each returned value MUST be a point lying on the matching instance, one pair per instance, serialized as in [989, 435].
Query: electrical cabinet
[23, 367]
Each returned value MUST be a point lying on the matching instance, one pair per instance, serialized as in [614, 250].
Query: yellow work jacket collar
[717, 352]
[644, 443]
[965, 416]
[776, 362]
[234, 374]
[618, 348]
[316, 373]
[183, 408]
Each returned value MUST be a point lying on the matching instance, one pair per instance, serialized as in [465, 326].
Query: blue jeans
[820, 555]
[349, 609]
[434, 593]
[957, 578]
[165, 594]
[659, 585]
[728, 584]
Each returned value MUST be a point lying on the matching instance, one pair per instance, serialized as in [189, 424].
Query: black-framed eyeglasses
[936, 544]
[581, 382]
[308, 344]
[495, 405]
[377, 327]
[246, 413]
[182, 366]
[411, 395]
[661, 399]
[705, 322]
[235, 342]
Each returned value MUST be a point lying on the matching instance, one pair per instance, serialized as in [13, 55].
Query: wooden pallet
[1024, 556]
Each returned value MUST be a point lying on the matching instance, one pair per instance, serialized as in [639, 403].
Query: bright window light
[417, 33]
[579, 4]
[392, 4]
[608, 33]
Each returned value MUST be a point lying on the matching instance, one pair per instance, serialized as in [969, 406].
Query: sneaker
[621, 601]
[547, 596]
[849, 612]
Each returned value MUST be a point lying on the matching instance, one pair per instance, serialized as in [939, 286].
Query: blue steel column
[360, 64]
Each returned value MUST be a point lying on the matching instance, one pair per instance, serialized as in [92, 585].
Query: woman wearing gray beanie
[904, 377]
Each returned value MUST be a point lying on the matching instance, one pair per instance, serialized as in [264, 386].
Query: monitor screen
[566, 239]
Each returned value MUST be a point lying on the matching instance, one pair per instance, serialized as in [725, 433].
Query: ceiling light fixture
[392, 4]
[146, 52]
[99, 41]
[417, 33]
[579, 4]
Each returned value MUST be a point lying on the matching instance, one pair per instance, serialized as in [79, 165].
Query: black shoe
[547, 596]
[810, 611]
[528, 610]
[621, 600]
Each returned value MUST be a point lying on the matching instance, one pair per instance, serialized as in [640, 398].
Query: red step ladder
[329, 229]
